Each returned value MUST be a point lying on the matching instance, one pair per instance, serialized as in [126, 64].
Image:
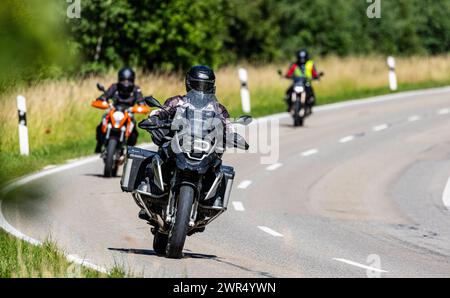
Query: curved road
[358, 192]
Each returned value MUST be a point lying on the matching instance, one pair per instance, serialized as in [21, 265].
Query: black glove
[150, 122]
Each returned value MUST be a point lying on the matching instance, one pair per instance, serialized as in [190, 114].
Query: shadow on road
[191, 255]
[149, 252]
[101, 176]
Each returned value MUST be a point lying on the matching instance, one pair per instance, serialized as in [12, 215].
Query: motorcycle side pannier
[226, 185]
[134, 168]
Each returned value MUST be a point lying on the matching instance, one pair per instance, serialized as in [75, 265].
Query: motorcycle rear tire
[179, 229]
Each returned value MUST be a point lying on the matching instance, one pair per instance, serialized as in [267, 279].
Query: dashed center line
[238, 206]
[270, 231]
[360, 265]
[381, 127]
[274, 166]
[310, 152]
[446, 195]
[414, 118]
[346, 139]
[443, 111]
[244, 184]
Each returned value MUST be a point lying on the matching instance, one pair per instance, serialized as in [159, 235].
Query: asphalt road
[359, 191]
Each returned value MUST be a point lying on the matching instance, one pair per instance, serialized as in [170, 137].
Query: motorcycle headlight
[201, 146]
[299, 89]
[118, 117]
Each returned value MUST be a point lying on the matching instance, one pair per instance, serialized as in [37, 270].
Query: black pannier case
[136, 161]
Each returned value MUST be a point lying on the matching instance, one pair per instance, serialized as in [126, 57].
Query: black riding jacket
[135, 97]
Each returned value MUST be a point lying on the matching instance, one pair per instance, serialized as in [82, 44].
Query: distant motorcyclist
[303, 68]
[124, 92]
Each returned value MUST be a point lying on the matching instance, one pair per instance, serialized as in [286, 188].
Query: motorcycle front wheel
[298, 120]
[178, 231]
[110, 163]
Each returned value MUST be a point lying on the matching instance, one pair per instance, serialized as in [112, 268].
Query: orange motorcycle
[117, 126]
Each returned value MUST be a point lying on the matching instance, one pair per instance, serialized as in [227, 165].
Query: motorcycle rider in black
[125, 92]
[201, 79]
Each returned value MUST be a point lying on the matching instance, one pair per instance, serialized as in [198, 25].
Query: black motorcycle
[184, 186]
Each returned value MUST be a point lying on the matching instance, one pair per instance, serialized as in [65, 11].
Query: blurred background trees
[171, 35]
[38, 40]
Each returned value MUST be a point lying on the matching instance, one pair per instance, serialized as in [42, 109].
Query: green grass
[20, 259]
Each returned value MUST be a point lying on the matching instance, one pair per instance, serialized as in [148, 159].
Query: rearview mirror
[101, 87]
[153, 102]
[244, 120]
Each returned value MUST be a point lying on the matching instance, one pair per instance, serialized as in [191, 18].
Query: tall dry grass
[59, 111]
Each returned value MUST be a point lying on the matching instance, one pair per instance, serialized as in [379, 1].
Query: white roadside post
[392, 76]
[245, 93]
[23, 130]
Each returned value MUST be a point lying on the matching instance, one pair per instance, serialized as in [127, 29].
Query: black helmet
[126, 78]
[302, 56]
[202, 79]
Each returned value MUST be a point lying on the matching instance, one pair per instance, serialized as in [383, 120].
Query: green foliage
[172, 35]
[154, 34]
[33, 41]
[20, 259]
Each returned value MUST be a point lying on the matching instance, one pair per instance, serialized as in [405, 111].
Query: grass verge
[19, 259]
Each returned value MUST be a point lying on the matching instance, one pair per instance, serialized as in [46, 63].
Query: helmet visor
[205, 86]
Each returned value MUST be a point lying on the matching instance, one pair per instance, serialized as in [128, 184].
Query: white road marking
[244, 184]
[80, 261]
[270, 231]
[238, 206]
[310, 152]
[443, 111]
[346, 139]
[274, 166]
[414, 118]
[380, 127]
[360, 265]
[446, 195]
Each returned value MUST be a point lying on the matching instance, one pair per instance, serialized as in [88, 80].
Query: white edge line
[270, 231]
[238, 206]
[362, 101]
[360, 265]
[80, 261]
[446, 195]
[5, 225]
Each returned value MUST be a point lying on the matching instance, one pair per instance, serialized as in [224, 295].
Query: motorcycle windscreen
[199, 124]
